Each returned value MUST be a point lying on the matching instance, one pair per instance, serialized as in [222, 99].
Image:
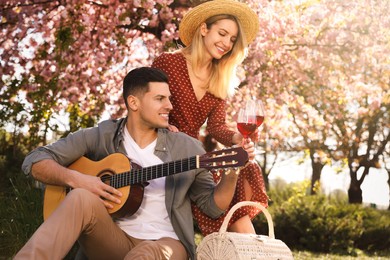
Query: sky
[375, 188]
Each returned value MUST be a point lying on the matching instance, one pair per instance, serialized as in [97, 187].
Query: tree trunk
[388, 183]
[316, 176]
[266, 180]
[316, 165]
[355, 194]
[264, 171]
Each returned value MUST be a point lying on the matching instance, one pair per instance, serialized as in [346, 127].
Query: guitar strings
[142, 175]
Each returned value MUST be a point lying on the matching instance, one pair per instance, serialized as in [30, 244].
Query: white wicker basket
[224, 245]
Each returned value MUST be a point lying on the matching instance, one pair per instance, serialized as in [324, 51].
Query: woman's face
[220, 38]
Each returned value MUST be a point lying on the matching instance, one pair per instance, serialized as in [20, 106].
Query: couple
[162, 228]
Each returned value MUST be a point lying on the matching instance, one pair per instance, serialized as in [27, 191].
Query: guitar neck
[233, 157]
[142, 175]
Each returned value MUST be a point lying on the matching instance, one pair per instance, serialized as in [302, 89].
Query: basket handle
[271, 233]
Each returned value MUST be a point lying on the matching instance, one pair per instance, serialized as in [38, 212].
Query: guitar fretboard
[142, 175]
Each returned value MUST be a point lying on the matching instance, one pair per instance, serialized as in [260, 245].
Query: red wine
[246, 129]
[259, 120]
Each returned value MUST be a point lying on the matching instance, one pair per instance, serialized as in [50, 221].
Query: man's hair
[137, 81]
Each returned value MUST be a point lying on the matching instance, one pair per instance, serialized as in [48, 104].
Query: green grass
[20, 214]
[304, 255]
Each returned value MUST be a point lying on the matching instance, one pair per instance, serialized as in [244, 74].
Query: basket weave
[224, 245]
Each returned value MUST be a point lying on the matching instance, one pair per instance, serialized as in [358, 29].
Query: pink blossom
[362, 111]
[164, 2]
[137, 3]
[166, 15]
[375, 104]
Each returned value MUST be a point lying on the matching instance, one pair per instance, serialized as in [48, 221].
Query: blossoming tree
[322, 68]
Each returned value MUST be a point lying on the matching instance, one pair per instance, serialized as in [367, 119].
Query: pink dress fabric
[188, 115]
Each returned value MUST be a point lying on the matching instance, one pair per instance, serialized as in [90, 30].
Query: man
[162, 227]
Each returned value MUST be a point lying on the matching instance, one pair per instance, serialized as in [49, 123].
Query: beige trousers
[83, 217]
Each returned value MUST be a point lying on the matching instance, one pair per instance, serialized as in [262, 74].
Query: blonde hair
[223, 71]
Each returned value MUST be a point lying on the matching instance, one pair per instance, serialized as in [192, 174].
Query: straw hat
[199, 14]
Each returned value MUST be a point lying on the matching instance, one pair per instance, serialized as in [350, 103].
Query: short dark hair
[137, 81]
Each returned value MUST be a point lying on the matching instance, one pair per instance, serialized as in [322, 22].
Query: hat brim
[195, 17]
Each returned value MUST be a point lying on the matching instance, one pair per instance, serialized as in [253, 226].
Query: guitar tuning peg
[234, 169]
[237, 170]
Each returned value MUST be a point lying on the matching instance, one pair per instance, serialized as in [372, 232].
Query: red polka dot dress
[188, 115]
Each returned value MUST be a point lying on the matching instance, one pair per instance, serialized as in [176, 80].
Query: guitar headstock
[225, 158]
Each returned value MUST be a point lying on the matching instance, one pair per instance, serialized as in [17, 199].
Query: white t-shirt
[152, 214]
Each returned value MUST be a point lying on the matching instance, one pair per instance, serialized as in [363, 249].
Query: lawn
[304, 255]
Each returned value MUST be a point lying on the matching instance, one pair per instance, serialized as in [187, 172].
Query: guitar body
[115, 163]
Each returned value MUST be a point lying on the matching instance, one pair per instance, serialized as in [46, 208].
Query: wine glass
[246, 121]
[260, 114]
[250, 118]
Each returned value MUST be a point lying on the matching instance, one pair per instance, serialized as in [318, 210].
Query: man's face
[155, 105]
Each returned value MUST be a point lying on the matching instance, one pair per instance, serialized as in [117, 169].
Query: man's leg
[164, 248]
[81, 214]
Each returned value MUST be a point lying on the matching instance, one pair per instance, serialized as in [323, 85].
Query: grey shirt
[98, 142]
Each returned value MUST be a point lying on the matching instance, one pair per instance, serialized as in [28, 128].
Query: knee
[146, 250]
[79, 193]
[83, 198]
[164, 248]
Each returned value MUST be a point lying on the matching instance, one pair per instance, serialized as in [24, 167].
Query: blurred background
[321, 67]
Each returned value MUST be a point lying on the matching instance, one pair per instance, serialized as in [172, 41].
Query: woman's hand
[173, 128]
[237, 139]
[249, 147]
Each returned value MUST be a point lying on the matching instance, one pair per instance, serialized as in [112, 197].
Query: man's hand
[106, 193]
[50, 172]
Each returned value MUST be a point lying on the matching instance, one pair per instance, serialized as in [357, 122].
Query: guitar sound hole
[105, 176]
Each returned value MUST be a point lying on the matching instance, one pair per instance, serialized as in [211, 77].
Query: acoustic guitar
[116, 171]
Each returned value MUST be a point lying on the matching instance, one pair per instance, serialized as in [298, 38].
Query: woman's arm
[217, 127]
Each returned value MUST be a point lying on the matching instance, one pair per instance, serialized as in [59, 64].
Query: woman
[216, 35]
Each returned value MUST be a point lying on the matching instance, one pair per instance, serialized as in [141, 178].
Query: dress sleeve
[159, 62]
[216, 124]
